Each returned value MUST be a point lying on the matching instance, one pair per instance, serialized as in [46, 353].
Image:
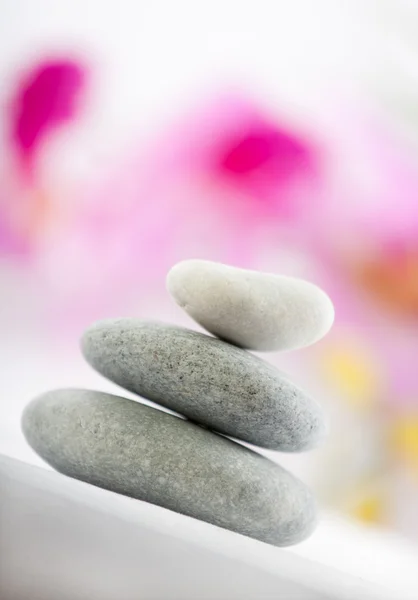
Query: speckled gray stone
[207, 380]
[258, 311]
[124, 446]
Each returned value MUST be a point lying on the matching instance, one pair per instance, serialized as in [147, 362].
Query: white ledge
[62, 539]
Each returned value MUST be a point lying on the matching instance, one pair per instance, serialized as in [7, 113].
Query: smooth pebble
[207, 380]
[135, 450]
[253, 310]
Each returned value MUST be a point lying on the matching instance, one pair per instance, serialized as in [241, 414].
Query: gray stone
[258, 311]
[207, 380]
[135, 450]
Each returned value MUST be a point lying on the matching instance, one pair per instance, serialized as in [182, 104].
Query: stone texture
[258, 311]
[124, 446]
[207, 380]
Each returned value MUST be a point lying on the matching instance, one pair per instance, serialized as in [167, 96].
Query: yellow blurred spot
[369, 509]
[350, 371]
[404, 437]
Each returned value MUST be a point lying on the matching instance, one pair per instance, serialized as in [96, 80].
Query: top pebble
[253, 310]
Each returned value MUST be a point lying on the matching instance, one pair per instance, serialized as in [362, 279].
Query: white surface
[63, 539]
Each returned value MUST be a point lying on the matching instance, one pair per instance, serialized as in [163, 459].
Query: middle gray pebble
[206, 380]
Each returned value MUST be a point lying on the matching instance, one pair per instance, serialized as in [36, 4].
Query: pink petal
[44, 99]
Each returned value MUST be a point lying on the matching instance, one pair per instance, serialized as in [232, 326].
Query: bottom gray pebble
[139, 451]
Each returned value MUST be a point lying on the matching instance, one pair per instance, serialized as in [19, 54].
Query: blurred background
[272, 135]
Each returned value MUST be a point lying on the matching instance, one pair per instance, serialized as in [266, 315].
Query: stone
[207, 380]
[253, 310]
[141, 452]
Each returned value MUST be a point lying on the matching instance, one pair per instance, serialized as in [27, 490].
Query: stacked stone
[186, 463]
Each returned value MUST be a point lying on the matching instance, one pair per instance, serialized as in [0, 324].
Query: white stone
[253, 310]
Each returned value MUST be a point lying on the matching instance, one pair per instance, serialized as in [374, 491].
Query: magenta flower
[206, 188]
[263, 160]
[46, 97]
[265, 165]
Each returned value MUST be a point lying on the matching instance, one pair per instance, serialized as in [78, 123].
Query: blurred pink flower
[45, 98]
[205, 188]
[264, 159]
[269, 166]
